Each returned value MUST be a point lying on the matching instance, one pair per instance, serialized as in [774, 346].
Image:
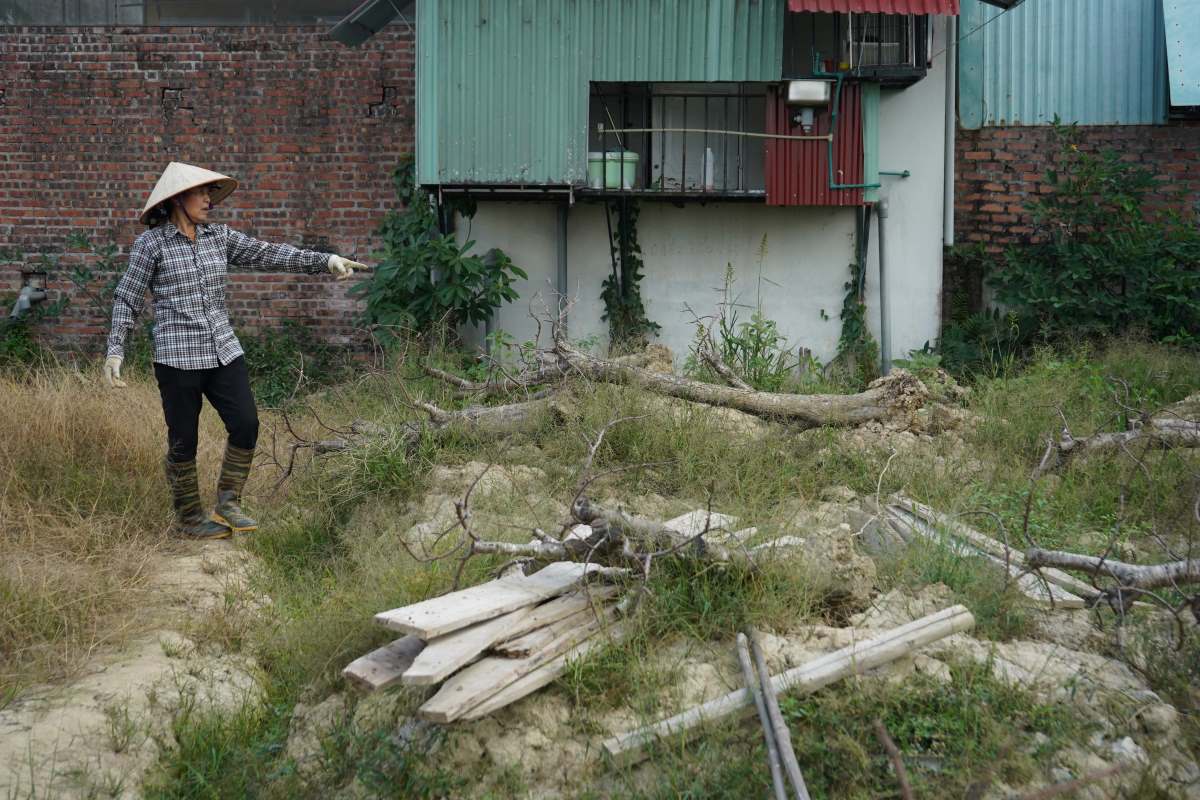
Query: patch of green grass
[975, 730]
[211, 754]
[1001, 611]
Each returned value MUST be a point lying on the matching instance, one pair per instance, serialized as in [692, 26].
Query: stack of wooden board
[491, 644]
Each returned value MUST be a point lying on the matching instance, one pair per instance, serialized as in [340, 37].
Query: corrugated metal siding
[685, 40]
[798, 171]
[876, 6]
[507, 80]
[1094, 62]
[1182, 22]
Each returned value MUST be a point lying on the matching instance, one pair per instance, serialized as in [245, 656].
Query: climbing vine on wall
[628, 326]
[857, 350]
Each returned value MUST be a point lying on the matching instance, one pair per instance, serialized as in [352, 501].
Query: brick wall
[89, 116]
[998, 169]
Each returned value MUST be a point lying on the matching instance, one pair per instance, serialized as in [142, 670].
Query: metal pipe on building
[562, 280]
[948, 144]
[885, 318]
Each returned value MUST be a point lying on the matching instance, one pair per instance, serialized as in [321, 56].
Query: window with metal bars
[889, 48]
[685, 138]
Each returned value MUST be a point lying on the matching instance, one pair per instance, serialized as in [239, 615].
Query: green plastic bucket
[629, 164]
[612, 169]
[595, 170]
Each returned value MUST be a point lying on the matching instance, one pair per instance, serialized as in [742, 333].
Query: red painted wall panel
[797, 171]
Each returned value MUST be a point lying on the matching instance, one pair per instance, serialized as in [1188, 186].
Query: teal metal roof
[1182, 21]
[1093, 62]
[502, 85]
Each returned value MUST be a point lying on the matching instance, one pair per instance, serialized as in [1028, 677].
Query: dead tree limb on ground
[1174, 426]
[885, 398]
[1131, 576]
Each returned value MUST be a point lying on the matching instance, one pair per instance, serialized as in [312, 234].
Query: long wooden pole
[853, 660]
[783, 737]
[752, 683]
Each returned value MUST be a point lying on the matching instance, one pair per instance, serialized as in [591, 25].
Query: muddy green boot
[234, 471]
[190, 521]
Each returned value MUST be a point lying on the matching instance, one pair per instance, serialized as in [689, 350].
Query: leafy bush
[755, 349]
[287, 360]
[424, 278]
[1102, 263]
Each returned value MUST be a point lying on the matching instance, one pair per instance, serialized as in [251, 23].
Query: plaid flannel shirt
[187, 281]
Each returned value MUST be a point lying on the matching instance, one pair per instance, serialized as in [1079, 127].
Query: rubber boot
[235, 468]
[190, 521]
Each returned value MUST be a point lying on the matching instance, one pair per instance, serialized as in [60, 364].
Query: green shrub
[286, 361]
[1103, 263]
[425, 279]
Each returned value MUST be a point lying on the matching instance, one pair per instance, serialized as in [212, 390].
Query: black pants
[227, 389]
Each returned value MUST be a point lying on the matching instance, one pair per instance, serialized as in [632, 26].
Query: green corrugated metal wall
[502, 85]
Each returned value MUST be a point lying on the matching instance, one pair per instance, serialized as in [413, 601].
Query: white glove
[112, 372]
[343, 268]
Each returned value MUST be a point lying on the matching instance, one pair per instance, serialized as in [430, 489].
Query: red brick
[102, 134]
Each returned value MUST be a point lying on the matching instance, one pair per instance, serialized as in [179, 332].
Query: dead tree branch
[1131, 576]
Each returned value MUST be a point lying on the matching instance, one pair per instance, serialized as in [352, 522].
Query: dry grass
[84, 509]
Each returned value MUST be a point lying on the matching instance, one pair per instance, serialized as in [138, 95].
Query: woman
[182, 258]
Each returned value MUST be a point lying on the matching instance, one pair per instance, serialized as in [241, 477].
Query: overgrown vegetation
[287, 362]
[327, 557]
[754, 349]
[1110, 255]
[628, 326]
[424, 280]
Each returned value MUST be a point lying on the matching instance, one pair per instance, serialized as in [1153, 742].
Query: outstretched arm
[246, 251]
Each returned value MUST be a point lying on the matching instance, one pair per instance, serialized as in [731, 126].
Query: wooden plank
[856, 659]
[564, 606]
[533, 641]
[693, 522]
[381, 668]
[470, 687]
[1028, 584]
[997, 548]
[450, 612]
[445, 655]
[543, 675]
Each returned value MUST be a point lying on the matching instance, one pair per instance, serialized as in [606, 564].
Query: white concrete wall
[808, 250]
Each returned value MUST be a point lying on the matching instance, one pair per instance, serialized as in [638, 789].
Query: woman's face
[196, 203]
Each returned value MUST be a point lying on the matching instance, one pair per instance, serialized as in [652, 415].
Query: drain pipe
[885, 318]
[950, 119]
[25, 300]
[561, 282]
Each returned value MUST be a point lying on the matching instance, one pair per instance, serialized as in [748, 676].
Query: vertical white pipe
[951, 128]
[885, 318]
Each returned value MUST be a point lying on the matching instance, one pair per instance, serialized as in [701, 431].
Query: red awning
[876, 6]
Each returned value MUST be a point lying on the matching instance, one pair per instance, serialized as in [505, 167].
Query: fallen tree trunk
[1130, 576]
[888, 397]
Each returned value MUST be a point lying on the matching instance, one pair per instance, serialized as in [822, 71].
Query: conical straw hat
[177, 178]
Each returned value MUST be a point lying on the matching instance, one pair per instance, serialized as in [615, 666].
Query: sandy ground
[96, 735]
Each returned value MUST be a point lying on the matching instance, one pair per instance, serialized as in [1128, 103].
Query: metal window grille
[688, 137]
[880, 40]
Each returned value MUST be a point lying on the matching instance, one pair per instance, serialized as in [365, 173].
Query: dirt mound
[96, 735]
